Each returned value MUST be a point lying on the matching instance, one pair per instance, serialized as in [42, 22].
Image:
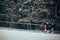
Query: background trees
[29, 11]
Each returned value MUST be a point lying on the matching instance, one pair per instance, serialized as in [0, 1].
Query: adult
[46, 27]
[52, 27]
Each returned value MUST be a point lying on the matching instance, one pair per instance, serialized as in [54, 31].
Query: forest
[16, 13]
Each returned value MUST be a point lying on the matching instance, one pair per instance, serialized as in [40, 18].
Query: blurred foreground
[18, 34]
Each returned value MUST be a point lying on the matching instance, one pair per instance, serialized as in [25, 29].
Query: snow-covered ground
[17, 34]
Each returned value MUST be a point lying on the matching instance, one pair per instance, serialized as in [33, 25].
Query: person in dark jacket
[52, 28]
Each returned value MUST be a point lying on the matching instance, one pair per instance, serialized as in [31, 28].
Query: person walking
[46, 27]
[52, 28]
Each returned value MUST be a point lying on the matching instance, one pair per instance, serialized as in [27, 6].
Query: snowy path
[13, 34]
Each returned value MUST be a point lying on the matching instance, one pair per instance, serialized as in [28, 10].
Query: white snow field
[17, 34]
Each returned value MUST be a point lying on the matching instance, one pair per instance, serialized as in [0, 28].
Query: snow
[17, 34]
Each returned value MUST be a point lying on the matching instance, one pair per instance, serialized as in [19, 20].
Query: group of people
[49, 29]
